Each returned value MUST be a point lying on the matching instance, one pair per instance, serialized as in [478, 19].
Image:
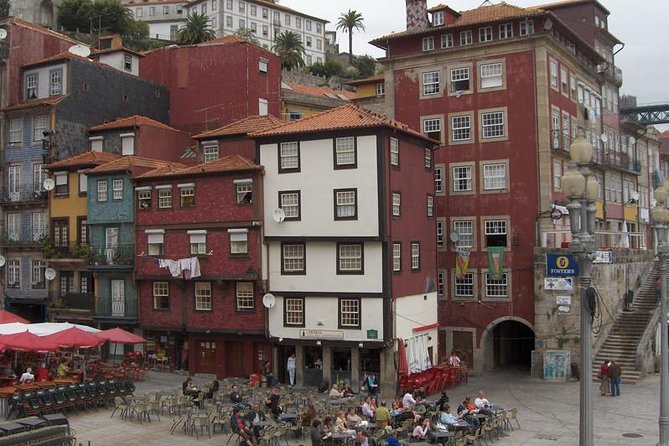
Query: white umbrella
[42, 329]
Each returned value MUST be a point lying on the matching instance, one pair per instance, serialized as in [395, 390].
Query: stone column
[299, 362]
[355, 369]
[327, 364]
[388, 379]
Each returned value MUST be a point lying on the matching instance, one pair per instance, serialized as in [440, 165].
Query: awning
[426, 327]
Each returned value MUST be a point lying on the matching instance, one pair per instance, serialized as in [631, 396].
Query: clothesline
[187, 268]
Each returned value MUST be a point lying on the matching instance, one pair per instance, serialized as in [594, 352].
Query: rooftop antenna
[486, 3]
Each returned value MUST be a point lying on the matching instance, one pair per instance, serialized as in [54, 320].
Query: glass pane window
[394, 151]
[397, 201]
[161, 296]
[244, 192]
[430, 206]
[14, 274]
[37, 274]
[294, 311]
[289, 156]
[39, 127]
[346, 204]
[144, 199]
[485, 34]
[447, 40]
[496, 288]
[462, 178]
[494, 176]
[465, 231]
[461, 128]
[15, 130]
[102, 191]
[187, 197]
[350, 258]
[464, 286]
[397, 257]
[244, 295]
[155, 244]
[439, 179]
[117, 188]
[345, 151]
[239, 242]
[55, 82]
[165, 198]
[349, 312]
[198, 243]
[415, 255]
[466, 38]
[431, 83]
[209, 153]
[293, 258]
[493, 124]
[290, 204]
[459, 79]
[203, 296]
[491, 75]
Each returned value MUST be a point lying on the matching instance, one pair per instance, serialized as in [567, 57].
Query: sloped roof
[65, 55]
[564, 3]
[320, 92]
[50, 101]
[367, 80]
[243, 127]
[224, 40]
[85, 159]
[40, 29]
[131, 121]
[226, 163]
[349, 116]
[128, 163]
[123, 49]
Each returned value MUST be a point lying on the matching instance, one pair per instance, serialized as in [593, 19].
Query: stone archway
[46, 14]
[507, 342]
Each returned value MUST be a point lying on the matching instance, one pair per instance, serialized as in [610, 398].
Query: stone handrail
[646, 341]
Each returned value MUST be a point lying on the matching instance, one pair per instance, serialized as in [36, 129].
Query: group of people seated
[248, 425]
[190, 389]
[344, 392]
[41, 373]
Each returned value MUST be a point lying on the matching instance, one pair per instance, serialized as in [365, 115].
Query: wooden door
[234, 359]
[206, 357]
[463, 343]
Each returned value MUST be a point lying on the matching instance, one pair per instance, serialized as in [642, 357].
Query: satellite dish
[278, 215]
[548, 24]
[634, 195]
[79, 50]
[3, 34]
[2, 261]
[631, 140]
[268, 300]
[604, 138]
[454, 236]
[49, 184]
[49, 274]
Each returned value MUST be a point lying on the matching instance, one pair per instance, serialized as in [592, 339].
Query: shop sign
[559, 283]
[372, 334]
[321, 334]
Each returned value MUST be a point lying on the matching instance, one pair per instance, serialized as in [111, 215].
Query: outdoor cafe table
[288, 417]
[442, 436]
[460, 425]
[345, 436]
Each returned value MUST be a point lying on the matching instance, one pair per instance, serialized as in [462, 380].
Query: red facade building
[210, 315]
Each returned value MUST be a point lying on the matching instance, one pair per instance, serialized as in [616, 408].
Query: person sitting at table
[453, 360]
[269, 376]
[391, 439]
[347, 391]
[367, 408]
[238, 426]
[352, 418]
[340, 423]
[406, 414]
[213, 388]
[420, 406]
[27, 376]
[316, 433]
[326, 427]
[482, 404]
[42, 373]
[335, 392]
[187, 386]
[235, 397]
[361, 438]
[254, 417]
[467, 411]
[382, 415]
[63, 369]
[273, 403]
[421, 430]
[408, 400]
[442, 399]
[308, 415]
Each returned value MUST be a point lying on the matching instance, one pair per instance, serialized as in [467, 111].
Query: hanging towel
[173, 266]
[184, 267]
[194, 267]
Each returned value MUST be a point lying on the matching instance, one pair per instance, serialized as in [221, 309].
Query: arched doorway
[46, 14]
[513, 343]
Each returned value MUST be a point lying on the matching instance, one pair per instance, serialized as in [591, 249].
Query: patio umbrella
[27, 342]
[6, 317]
[120, 336]
[402, 366]
[74, 337]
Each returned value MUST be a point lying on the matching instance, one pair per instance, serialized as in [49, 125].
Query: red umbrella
[6, 317]
[74, 338]
[120, 336]
[402, 367]
[27, 342]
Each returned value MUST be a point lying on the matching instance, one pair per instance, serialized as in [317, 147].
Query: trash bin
[575, 371]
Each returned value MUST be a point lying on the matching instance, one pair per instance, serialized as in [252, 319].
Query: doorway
[512, 343]
[205, 357]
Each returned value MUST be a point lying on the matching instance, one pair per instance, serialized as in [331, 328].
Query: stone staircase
[624, 337]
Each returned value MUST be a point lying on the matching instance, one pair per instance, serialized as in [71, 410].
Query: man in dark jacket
[614, 375]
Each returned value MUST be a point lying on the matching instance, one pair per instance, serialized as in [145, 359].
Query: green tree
[197, 30]
[290, 49]
[4, 9]
[75, 15]
[331, 67]
[247, 35]
[366, 65]
[348, 21]
[96, 16]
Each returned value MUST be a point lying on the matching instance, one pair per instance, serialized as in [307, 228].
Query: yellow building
[370, 92]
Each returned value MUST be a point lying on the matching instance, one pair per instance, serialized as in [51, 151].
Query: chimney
[416, 14]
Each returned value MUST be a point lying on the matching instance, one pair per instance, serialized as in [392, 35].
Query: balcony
[560, 142]
[15, 240]
[115, 309]
[619, 160]
[72, 301]
[23, 194]
[68, 252]
[614, 74]
[122, 255]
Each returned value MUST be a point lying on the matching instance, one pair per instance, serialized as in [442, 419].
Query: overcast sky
[641, 24]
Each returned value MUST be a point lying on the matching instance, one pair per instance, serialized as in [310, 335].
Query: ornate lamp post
[661, 223]
[582, 190]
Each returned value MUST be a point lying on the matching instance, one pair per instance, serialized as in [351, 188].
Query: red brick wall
[161, 144]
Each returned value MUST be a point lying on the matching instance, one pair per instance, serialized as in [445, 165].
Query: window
[439, 180]
[526, 27]
[461, 128]
[165, 198]
[60, 232]
[83, 184]
[262, 64]
[495, 232]
[144, 199]
[203, 8]
[447, 40]
[345, 152]
[441, 224]
[465, 231]
[239, 241]
[464, 286]
[350, 258]
[564, 81]
[441, 283]
[494, 177]
[380, 89]
[293, 314]
[572, 86]
[265, 31]
[228, 21]
[14, 227]
[198, 242]
[554, 73]
[39, 127]
[349, 313]
[438, 18]
[308, 42]
[187, 196]
[102, 191]
[127, 143]
[319, 28]
[485, 34]
[397, 201]
[427, 155]
[84, 283]
[82, 230]
[506, 30]
[15, 130]
[38, 226]
[430, 206]
[432, 128]
[139, 12]
[13, 274]
[289, 157]
[394, 152]
[415, 256]
[265, 13]
[228, 4]
[127, 62]
[459, 79]
[293, 258]
[244, 191]
[209, 152]
[37, 274]
[431, 83]
[39, 175]
[286, 19]
[254, 29]
[203, 296]
[156, 243]
[298, 23]
[289, 202]
[307, 25]
[14, 182]
[492, 75]
[428, 43]
[152, 11]
[242, 6]
[346, 204]
[244, 294]
[397, 257]
[466, 38]
[31, 86]
[496, 288]
[492, 125]
[161, 296]
[55, 82]
[117, 189]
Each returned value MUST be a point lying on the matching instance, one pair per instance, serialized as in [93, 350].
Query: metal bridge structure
[649, 114]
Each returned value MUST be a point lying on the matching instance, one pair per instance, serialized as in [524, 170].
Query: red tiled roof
[563, 3]
[347, 116]
[86, 159]
[224, 40]
[131, 121]
[367, 80]
[40, 29]
[243, 127]
[116, 50]
[226, 163]
[320, 91]
[127, 163]
[50, 101]
[66, 55]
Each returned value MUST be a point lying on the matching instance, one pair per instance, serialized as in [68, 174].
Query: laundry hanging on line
[187, 268]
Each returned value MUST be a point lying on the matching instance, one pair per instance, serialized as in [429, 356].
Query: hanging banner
[495, 262]
[462, 262]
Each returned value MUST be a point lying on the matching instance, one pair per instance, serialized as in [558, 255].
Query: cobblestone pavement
[548, 414]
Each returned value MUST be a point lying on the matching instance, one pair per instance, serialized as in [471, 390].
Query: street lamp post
[582, 189]
[661, 223]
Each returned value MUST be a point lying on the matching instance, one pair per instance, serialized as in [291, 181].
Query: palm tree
[290, 49]
[346, 23]
[197, 30]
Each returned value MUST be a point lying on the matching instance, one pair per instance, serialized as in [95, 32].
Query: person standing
[291, 366]
[614, 375]
[605, 386]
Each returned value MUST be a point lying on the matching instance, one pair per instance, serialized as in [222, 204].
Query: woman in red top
[42, 373]
[604, 386]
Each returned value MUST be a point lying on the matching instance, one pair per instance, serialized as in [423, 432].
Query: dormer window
[438, 18]
[31, 86]
[127, 62]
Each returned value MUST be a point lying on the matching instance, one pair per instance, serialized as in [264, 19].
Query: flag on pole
[496, 262]
[462, 262]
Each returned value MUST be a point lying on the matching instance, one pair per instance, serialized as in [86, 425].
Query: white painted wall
[316, 181]
[162, 30]
[321, 263]
[326, 310]
[415, 311]
[43, 83]
[116, 60]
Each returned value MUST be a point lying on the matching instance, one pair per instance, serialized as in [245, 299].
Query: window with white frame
[103, 193]
[244, 191]
[554, 73]
[293, 311]
[495, 232]
[127, 144]
[492, 124]
[83, 184]
[572, 86]
[394, 152]
[161, 296]
[262, 62]
[441, 224]
[229, 21]
[13, 274]
[506, 30]
[485, 34]
[127, 61]
[345, 152]
[117, 189]
[465, 231]
[31, 85]
[239, 241]
[350, 258]
[198, 242]
[39, 175]
[441, 283]
[460, 79]
[397, 204]
[415, 256]
[144, 199]
[464, 285]
[428, 43]
[397, 257]
[15, 130]
[165, 198]
[430, 206]
[557, 175]
[203, 296]
[432, 128]
[431, 83]
[496, 287]
[380, 89]
[346, 204]
[38, 267]
[427, 155]
[293, 258]
[13, 227]
[526, 27]
[244, 296]
[187, 195]
[494, 176]
[39, 127]
[466, 38]
[349, 313]
[62, 183]
[447, 40]
[289, 202]
[55, 82]
[289, 156]
[462, 179]
[461, 128]
[491, 75]
[438, 18]
[439, 180]
[155, 242]
[263, 107]
[39, 225]
[564, 81]
[209, 152]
